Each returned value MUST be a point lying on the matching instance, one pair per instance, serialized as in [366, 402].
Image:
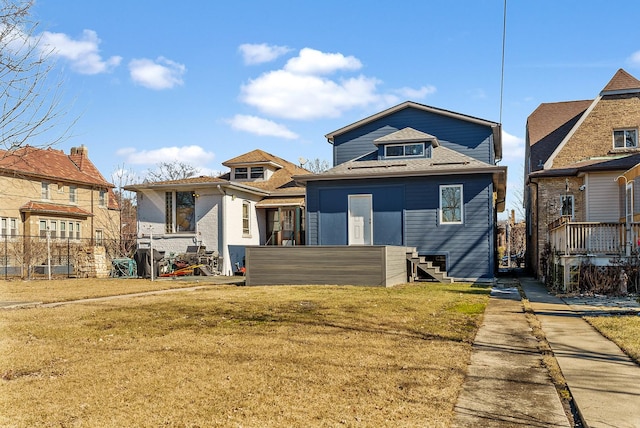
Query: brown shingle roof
[548, 125]
[52, 165]
[622, 81]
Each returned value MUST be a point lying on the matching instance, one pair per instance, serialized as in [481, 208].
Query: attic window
[240, 173]
[257, 172]
[404, 150]
[625, 138]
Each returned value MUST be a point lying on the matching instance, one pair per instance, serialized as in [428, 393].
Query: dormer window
[405, 150]
[625, 138]
[240, 173]
[257, 172]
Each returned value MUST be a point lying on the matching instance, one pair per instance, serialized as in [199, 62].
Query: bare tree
[317, 165]
[126, 227]
[171, 171]
[31, 97]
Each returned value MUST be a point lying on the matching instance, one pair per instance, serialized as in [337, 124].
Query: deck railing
[571, 238]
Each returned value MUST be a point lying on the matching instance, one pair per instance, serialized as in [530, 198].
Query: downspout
[222, 236]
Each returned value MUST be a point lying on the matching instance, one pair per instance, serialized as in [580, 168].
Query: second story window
[45, 192]
[566, 206]
[404, 150]
[102, 200]
[257, 172]
[73, 194]
[240, 173]
[625, 138]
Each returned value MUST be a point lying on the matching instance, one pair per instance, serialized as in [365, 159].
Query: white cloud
[259, 126]
[512, 147]
[261, 53]
[302, 90]
[634, 59]
[311, 61]
[192, 155]
[159, 74]
[284, 94]
[416, 94]
[83, 54]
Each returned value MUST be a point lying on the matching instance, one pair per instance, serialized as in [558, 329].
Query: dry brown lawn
[229, 356]
[623, 330]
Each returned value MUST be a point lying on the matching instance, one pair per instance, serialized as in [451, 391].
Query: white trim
[440, 219]
[367, 231]
[549, 163]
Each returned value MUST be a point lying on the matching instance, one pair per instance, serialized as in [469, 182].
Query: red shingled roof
[49, 208]
[622, 81]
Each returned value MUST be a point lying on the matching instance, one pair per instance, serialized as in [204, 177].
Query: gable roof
[551, 125]
[548, 125]
[621, 82]
[497, 137]
[254, 157]
[407, 135]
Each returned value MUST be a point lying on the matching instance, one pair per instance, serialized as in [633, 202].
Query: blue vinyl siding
[464, 137]
[405, 212]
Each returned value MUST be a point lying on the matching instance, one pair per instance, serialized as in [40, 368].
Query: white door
[360, 220]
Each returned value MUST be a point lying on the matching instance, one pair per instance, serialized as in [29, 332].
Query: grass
[623, 330]
[60, 290]
[243, 356]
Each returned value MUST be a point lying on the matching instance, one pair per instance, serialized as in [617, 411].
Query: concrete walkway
[604, 382]
[507, 386]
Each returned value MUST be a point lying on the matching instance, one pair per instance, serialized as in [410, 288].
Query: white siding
[602, 197]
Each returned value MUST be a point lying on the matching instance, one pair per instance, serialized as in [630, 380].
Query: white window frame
[102, 198]
[241, 173]
[461, 202]
[73, 194]
[629, 202]
[562, 205]
[99, 237]
[404, 150]
[624, 132]
[45, 192]
[246, 219]
[257, 172]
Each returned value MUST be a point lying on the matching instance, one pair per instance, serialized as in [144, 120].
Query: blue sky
[204, 81]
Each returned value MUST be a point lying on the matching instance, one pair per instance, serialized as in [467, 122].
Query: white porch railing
[574, 238]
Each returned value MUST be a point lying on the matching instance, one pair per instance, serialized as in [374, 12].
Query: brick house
[575, 152]
[46, 191]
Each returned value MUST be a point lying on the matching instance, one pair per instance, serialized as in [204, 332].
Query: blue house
[414, 176]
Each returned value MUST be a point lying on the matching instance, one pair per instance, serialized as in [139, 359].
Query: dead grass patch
[243, 356]
[623, 330]
[61, 290]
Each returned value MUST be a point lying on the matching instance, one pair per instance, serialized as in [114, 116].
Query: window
[185, 212]
[63, 229]
[566, 205]
[629, 203]
[73, 197]
[246, 219]
[257, 172]
[240, 173]
[102, 199]
[404, 150]
[43, 228]
[14, 226]
[451, 204]
[77, 230]
[99, 237]
[3, 227]
[45, 195]
[8, 226]
[53, 228]
[625, 138]
[168, 212]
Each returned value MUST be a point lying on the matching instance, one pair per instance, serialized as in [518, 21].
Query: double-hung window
[240, 173]
[246, 218]
[45, 191]
[73, 194]
[625, 138]
[451, 204]
[257, 172]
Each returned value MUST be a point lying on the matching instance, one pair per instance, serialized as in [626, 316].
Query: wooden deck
[376, 265]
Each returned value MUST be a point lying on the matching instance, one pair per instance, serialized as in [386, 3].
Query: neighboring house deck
[579, 192]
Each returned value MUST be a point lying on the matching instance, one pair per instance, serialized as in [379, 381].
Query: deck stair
[420, 265]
